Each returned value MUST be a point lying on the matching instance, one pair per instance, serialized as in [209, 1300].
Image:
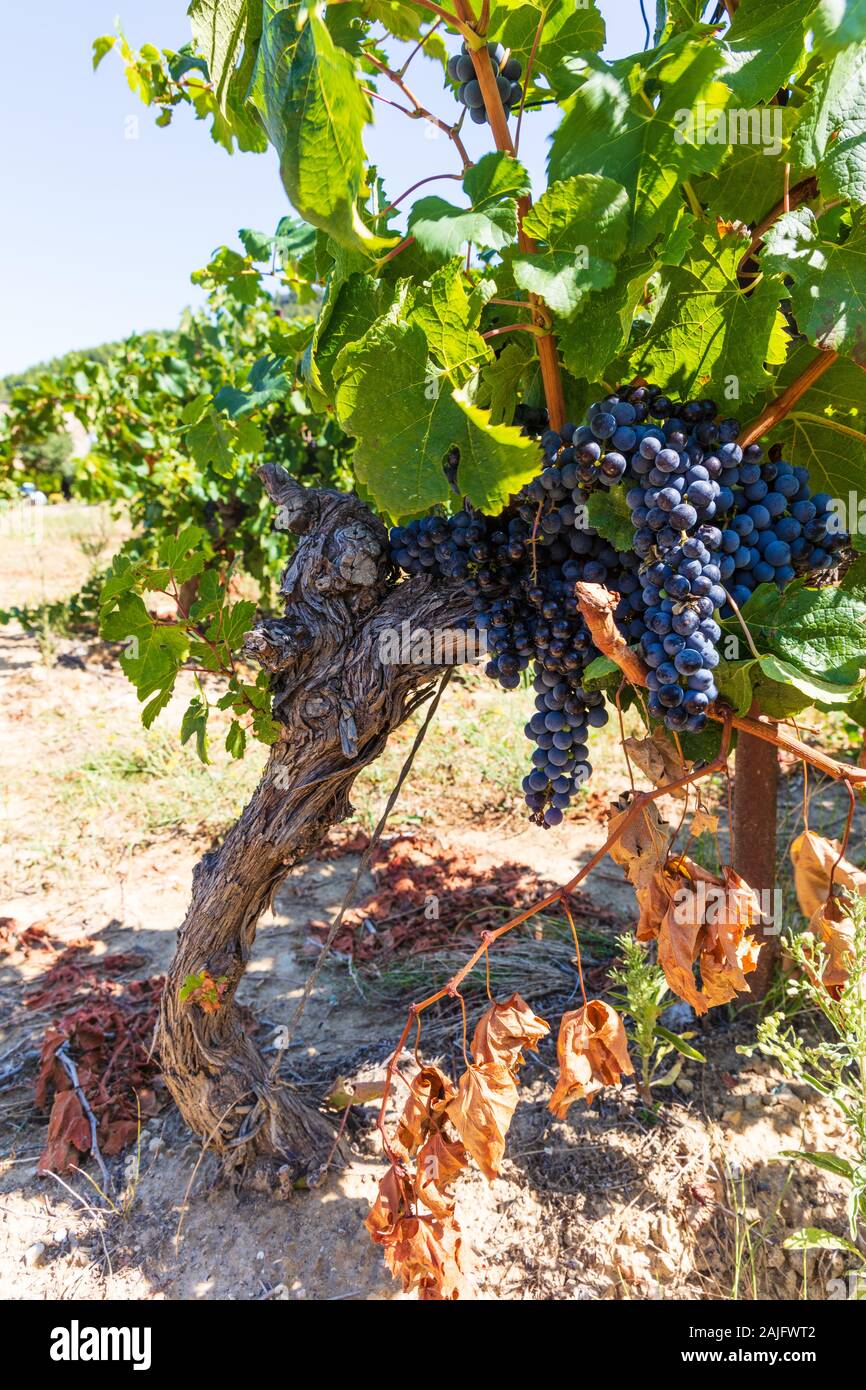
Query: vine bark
[337, 699]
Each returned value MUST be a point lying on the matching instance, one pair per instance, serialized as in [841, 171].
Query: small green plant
[835, 1065]
[644, 996]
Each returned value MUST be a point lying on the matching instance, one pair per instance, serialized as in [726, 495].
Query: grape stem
[548, 357]
[417, 111]
[779, 408]
[597, 605]
[536, 328]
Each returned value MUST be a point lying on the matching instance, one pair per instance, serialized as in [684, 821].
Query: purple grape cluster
[711, 522]
[506, 70]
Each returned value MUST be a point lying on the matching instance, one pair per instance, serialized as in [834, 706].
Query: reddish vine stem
[852, 806]
[548, 358]
[418, 111]
[778, 409]
[517, 328]
[559, 895]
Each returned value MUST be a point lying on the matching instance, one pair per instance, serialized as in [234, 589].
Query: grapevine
[543, 391]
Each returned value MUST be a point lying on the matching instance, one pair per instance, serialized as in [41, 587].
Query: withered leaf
[703, 823]
[643, 846]
[440, 1161]
[813, 858]
[430, 1091]
[678, 945]
[504, 1030]
[593, 1052]
[426, 1254]
[658, 759]
[393, 1201]
[832, 926]
[481, 1113]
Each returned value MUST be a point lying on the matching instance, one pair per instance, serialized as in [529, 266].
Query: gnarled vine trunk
[337, 700]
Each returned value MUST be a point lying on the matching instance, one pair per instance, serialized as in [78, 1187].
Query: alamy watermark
[439, 646]
[719, 125]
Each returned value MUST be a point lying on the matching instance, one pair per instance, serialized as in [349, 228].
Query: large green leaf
[583, 225]
[612, 127]
[707, 331]
[826, 430]
[610, 515]
[493, 186]
[314, 110]
[764, 46]
[831, 134]
[838, 23]
[406, 421]
[829, 281]
[822, 632]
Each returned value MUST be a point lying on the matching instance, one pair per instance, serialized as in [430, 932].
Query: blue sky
[108, 215]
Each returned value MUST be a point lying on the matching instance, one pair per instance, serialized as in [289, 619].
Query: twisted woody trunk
[337, 702]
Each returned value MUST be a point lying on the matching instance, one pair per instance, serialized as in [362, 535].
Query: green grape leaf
[492, 186]
[236, 740]
[152, 652]
[194, 721]
[350, 307]
[209, 442]
[499, 382]
[234, 623]
[838, 23]
[101, 46]
[314, 110]
[735, 682]
[268, 382]
[831, 134]
[447, 315]
[221, 30]
[583, 223]
[707, 331]
[235, 272]
[822, 632]
[764, 46]
[828, 692]
[600, 329]
[609, 514]
[829, 280]
[406, 421]
[611, 127]
[826, 430]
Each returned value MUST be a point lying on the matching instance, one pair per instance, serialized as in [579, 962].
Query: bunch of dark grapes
[711, 521]
[506, 70]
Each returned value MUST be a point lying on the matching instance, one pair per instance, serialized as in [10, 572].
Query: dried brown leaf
[643, 846]
[813, 858]
[593, 1052]
[481, 1113]
[426, 1254]
[440, 1161]
[832, 926]
[504, 1030]
[658, 759]
[430, 1092]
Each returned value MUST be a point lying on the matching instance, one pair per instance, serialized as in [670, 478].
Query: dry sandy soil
[101, 827]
